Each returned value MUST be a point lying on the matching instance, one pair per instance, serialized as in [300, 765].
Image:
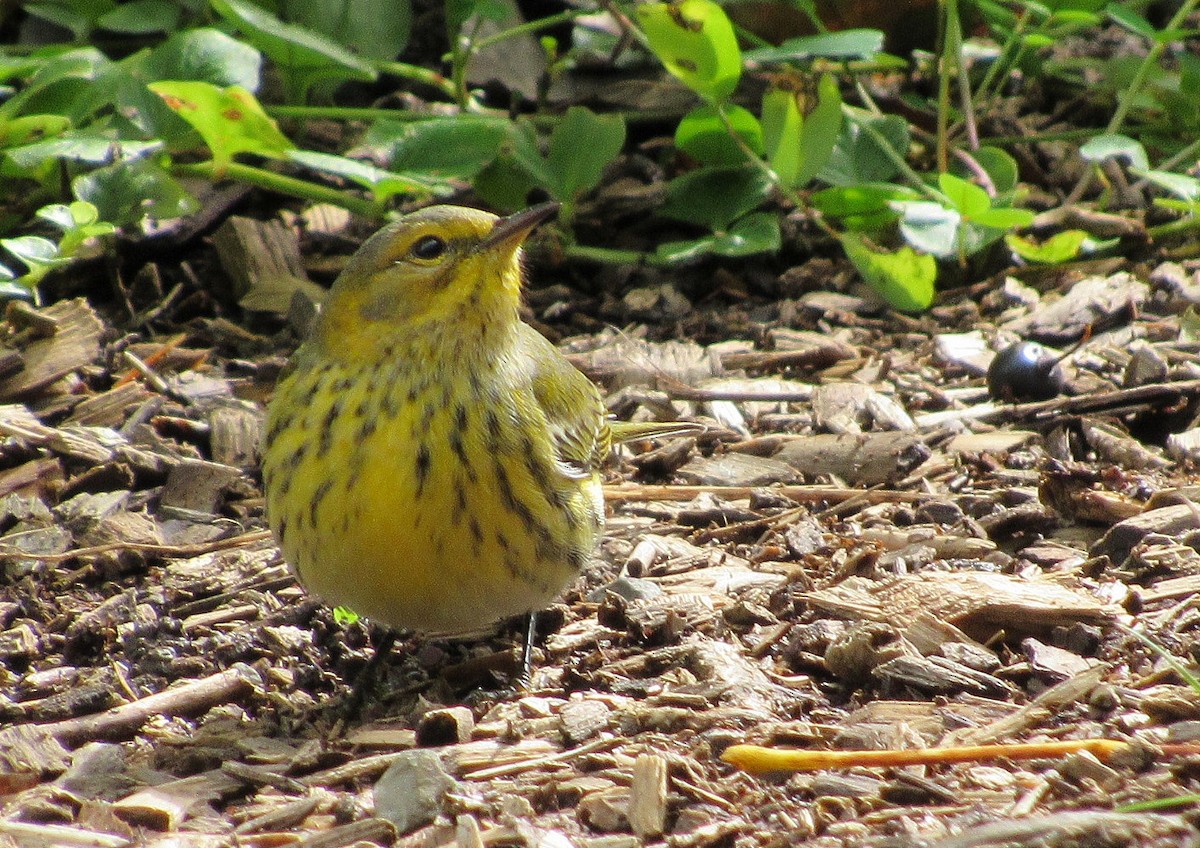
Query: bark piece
[648, 796]
[1172, 522]
[867, 459]
[263, 260]
[74, 344]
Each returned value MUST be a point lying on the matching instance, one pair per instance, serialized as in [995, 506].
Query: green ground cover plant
[108, 128]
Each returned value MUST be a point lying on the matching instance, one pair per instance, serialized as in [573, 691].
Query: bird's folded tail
[631, 431]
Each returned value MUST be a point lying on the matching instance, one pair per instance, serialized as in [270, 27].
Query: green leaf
[141, 17]
[302, 56]
[207, 55]
[78, 16]
[966, 197]
[129, 192]
[1131, 20]
[230, 120]
[581, 145]
[702, 134]
[377, 29]
[857, 157]
[930, 227]
[1115, 146]
[38, 254]
[1180, 185]
[1059, 248]
[695, 41]
[999, 165]
[31, 128]
[504, 184]
[441, 147]
[522, 145]
[715, 197]
[382, 184]
[905, 279]
[865, 199]
[80, 147]
[1004, 218]
[344, 616]
[846, 44]
[781, 122]
[821, 131]
[62, 86]
[756, 233]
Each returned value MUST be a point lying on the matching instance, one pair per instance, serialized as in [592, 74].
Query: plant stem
[418, 74]
[895, 158]
[612, 256]
[1124, 104]
[530, 27]
[282, 184]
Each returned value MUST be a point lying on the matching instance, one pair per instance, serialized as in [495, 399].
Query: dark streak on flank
[388, 404]
[326, 427]
[494, 429]
[318, 496]
[476, 532]
[510, 497]
[460, 505]
[424, 460]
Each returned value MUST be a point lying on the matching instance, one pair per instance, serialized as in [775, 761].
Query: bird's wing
[574, 410]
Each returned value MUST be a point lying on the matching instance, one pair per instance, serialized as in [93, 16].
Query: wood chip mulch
[863, 551]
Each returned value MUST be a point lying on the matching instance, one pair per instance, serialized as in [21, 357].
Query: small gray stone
[412, 792]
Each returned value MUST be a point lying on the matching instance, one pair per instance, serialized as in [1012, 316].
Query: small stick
[759, 760]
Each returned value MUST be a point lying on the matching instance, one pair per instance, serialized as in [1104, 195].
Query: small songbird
[431, 461]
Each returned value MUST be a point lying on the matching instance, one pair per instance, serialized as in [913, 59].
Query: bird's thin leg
[527, 651]
[366, 678]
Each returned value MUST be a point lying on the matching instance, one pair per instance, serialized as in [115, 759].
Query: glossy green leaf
[930, 227]
[821, 131]
[1059, 248]
[1115, 146]
[382, 184]
[207, 55]
[79, 147]
[846, 44]
[905, 279]
[230, 120]
[1180, 185]
[857, 156]
[782, 122]
[458, 147]
[694, 39]
[703, 135]
[582, 144]
[758, 232]
[715, 197]
[304, 57]
[141, 17]
[966, 197]
[129, 192]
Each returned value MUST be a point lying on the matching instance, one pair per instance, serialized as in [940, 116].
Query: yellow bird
[431, 461]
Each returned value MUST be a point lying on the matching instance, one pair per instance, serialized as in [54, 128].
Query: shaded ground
[864, 551]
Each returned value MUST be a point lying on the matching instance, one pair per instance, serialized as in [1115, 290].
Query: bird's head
[435, 264]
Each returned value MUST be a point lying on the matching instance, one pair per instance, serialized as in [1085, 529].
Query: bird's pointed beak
[516, 228]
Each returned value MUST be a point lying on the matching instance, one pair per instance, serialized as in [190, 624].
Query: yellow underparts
[420, 487]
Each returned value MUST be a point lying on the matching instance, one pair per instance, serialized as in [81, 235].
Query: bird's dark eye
[429, 247]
